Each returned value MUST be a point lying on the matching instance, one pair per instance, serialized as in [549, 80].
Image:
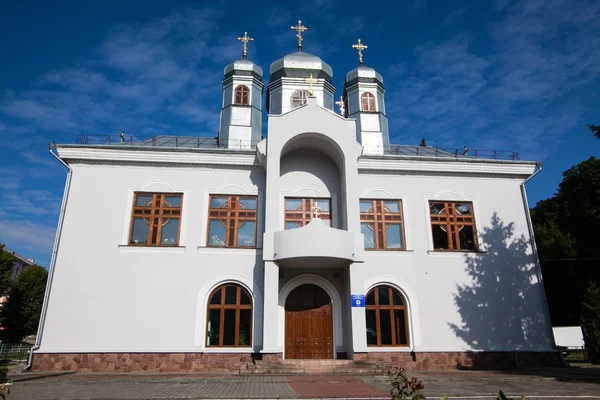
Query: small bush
[404, 387]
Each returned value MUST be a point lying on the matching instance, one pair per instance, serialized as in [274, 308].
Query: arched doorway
[308, 324]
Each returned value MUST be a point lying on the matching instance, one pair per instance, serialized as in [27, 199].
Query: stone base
[234, 362]
[464, 360]
[271, 356]
[141, 362]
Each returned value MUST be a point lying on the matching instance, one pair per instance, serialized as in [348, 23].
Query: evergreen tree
[20, 314]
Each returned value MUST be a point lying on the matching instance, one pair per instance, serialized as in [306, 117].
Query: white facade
[110, 296]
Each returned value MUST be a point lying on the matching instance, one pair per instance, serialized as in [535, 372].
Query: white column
[357, 314]
[271, 308]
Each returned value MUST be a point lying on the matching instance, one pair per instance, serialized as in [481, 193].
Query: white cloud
[138, 70]
[28, 235]
[515, 95]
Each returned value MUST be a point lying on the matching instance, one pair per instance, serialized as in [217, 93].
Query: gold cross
[245, 39]
[310, 82]
[316, 210]
[360, 48]
[341, 104]
[299, 28]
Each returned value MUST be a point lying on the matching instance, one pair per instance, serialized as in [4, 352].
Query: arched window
[242, 95]
[229, 319]
[387, 319]
[368, 102]
[298, 98]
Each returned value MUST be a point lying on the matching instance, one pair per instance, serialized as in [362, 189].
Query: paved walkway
[541, 384]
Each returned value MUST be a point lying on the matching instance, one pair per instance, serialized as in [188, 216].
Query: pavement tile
[334, 387]
[536, 385]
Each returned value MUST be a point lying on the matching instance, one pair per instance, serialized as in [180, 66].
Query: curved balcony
[316, 243]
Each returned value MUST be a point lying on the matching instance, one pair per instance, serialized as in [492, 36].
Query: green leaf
[501, 396]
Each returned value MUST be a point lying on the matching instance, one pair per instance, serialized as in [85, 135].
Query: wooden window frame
[452, 221]
[391, 307]
[237, 307]
[380, 219]
[367, 102]
[305, 215]
[231, 214]
[241, 95]
[301, 96]
[155, 213]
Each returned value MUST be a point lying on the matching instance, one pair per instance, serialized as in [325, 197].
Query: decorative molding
[368, 193]
[454, 195]
[450, 166]
[159, 156]
[147, 187]
[309, 187]
[244, 188]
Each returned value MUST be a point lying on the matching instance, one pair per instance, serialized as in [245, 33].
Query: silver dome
[243, 65]
[299, 65]
[364, 72]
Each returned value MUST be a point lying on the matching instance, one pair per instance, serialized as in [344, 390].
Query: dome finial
[360, 48]
[299, 28]
[245, 39]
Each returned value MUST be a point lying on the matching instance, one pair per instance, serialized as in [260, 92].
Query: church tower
[364, 101]
[241, 113]
[297, 76]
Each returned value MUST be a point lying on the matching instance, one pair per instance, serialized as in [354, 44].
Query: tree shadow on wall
[501, 308]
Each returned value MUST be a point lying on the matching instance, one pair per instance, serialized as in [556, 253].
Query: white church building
[314, 238]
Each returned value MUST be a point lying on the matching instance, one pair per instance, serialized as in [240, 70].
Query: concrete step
[303, 372]
[308, 367]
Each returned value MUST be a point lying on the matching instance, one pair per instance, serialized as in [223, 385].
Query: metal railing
[14, 351]
[203, 142]
[165, 141]
[429, 151]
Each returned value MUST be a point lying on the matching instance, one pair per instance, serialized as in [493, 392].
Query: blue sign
[357, 300]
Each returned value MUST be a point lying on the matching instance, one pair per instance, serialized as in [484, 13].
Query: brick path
[467, 385]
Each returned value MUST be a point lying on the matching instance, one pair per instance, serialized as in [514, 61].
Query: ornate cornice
[218, 158]
[444, 167]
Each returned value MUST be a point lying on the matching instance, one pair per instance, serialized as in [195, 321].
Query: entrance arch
[330, 289]
[308, 323]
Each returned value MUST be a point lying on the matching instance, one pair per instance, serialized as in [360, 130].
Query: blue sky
[498, 75]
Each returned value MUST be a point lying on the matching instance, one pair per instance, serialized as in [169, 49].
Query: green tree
[590, 319]
[596, 130]
[564, 229]
[20, 314]
[579, 198]
[6, 266]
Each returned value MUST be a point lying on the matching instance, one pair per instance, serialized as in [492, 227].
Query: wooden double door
[308, 324]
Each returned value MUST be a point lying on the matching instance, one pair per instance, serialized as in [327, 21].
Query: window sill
[228, 350]
[229, 250]
[454, 253]
[377, 349]
[383, 252]
[150, 249]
